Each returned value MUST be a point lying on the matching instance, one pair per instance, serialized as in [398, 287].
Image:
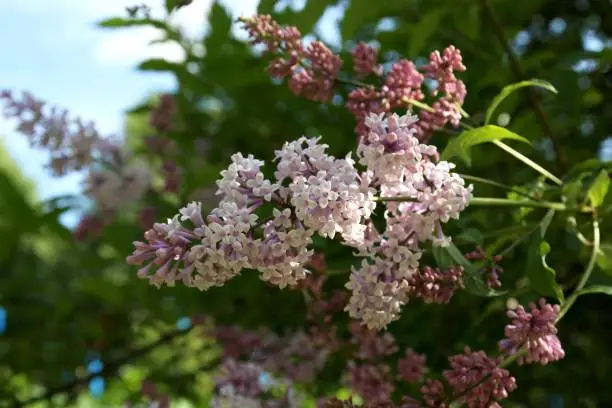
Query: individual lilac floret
[475, 367]
[534, 330]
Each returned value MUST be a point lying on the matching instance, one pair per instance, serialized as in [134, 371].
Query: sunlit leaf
[606, 290]
[598, 190]
[118, 22]
[508, 90]
[461, 144]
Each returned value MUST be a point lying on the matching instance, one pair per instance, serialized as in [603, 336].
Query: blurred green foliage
[67, 300]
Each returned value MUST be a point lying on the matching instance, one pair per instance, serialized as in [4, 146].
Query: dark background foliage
[68, 302]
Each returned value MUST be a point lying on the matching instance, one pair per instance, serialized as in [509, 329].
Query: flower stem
[527, 161]
[458, 400]
[501, 202]
[492, 201]
[586, 274]
[496, 184]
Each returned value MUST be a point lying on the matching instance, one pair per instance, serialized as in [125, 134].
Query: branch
[108, 371]
[519, 73]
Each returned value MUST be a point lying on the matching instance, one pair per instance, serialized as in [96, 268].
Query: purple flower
[411, 367]
[478, 378]
[534, 330]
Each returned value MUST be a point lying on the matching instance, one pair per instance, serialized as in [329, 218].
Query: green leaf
[118, 22]
[462, 143]
[472, 277]
[172, 5]
[604, 258]
[506, 91]
[158, 64]
[471, 235]
[541, 276]
[266, 7]
[361, 13]
[606, 290]
[598, 190]
[423, 30]
[305, 19]
[220, 26]
[471, 22]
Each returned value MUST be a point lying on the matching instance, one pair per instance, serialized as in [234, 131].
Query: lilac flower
[312, 69]
[436, 286]
[116, 188]
[371, 345]
[372, 382]
[364, 60]
[72, 143]
[472, 368]
[403, 82]
[162, 117]
[246, 385]
[315, 77]
[433, 393]
[536, 331]
[411, 367]
[328, 194]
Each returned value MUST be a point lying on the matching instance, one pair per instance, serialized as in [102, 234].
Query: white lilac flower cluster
[421, 194]
[316, 193]
[118, 187]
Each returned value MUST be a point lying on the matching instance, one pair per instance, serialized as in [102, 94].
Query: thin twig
[520, 75]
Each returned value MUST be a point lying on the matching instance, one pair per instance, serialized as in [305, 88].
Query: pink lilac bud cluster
[434, 285]
[492, 269]
[247, 385]
[156, 398]
[163, 115]
[421, 193]
[447, 109]
[312, 69]
[479, 379]
[534, 331]
[314, 72]
[411, 368]
[72, 143]
[365, 60]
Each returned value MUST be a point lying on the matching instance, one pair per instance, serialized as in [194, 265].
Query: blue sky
[56, 52]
